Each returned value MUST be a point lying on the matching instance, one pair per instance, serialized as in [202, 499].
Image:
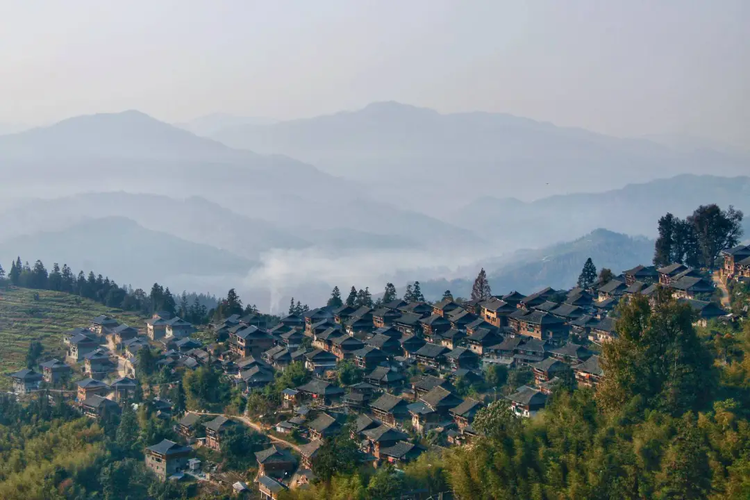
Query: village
[420, 372]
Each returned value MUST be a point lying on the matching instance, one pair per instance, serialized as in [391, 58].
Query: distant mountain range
[430, 159]
[557, 266]
[213, 123]
[634, 209]
[125, 251]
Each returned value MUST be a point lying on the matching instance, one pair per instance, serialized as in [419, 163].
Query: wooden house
[644, 274]
[410, 344]
[385, 316]
[90, 387]
[434, 325]
[308, 452]
[98, 364]
[167, 458]
[323, 426]
[424, 384]
[401, 452]
[704, 310]
[432, 410]
[615, 288]
[547, 369]
[389, 345]
[368, 357]
[464, 413]
[26, 381]
[382, 437]
[461, 357]
[188, 425]
[527, 402]
[80, 342]
[536, 299]
[671, 272]
[691, 287]
[453, 338]
[460, 319]
[495, 311]
[571, 353]
[97, 407]
[156, 327]
[420, 308]
[735, 261]
[390, 409]
[102, 324]
[431, 355]
[320, 361]
[123, 389]
[256, 377]
[482, 339]
[589, 373]
[539, 325]
[408, 324]
[215, 429]
[358, 395]
[275, 462]
[603, 331]
[250, 341]
[385, 378]
[444, 307]
[55, 371]
[320, 390]
[269, 488]
[343, 347]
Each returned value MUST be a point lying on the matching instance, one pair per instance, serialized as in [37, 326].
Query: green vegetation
[28, 316]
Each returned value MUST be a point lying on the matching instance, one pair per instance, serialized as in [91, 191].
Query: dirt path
[725, 302]
[252, 425]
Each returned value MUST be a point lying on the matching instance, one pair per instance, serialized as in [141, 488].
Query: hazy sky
[623, 67]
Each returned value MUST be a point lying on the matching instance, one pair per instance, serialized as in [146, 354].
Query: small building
[256, 377]
[464, 413]
[123, 388]
[495, 311]
[401, 452]
[691, 287]
[120, 334]
[540, 325]
[323, 426]
[385, 378]
[461, 319]
[461, 357]
[431, 355]
[215, 429]
[55, 371]
[669, 273]
[644, 274]
[98, 364]
[434, 325]
[289, 398]
[604, 330]
[432, 410]
[368, 357]
[390, 409]
[188, 424]
[408, 324]
[320, 361]
[98, 407]
[385, 317]
[453, 338]
[527, 402]
[167, 458]
[388, 344]
[269, 488]
[308, 452]
[275, 462]
[535, 299]
[80, 343]
[424, 384]
[101, 324]
[383, 436]
[26, 381]
[410, 344]
[320, 390]
[547, 369]
[156, 327]
[571, 353]
[589, 373]
[704, 310]
[612, 289]
[343, 347]
[481, 339]
[359, 395]
[250, 341]
[90, 387]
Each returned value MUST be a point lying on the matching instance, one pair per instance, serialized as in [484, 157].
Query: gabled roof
[53, 363]
[432, 350]
[219, 423]
[549, 364]
[408, 319]
[346, 340]
[672, 269]
[124, 328]
[513, 296]
[467, 409]
[384, 433]
[567, 311]
[167, 447]
[584, 321]
[256, 375]
[607, 304]
[310, 449]
[484, 336]
[641, 272]
[461, 352]
[692, 283]
[738, 250]
[402, 450]
[613, 286]
[190, 419]
[441, 398]
[82, 338]
[572, 350]
[320, 388]
[537, 296]
[323, 424]
[320, 355]
[368, 351]
[387, 402]
[97, 401]
[90, 382]
[547, 305]
[385, 374]
[704, 309]
[395, 304]
[433, 319]
[454, 334]
[252, 332]
[274, 455]
[27, 375]
[365, 422]
[104, 320]
[124, 382]
[494, 304]
[636, 287]
[271, 484]
[591, 366]
[379, 340]
[606, 324]
[331, 333]
[429, 382]
[526, 395]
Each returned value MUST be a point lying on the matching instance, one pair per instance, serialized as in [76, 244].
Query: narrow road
[725, 302]
[255, 426]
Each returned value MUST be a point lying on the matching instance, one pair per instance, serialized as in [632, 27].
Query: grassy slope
[23, 319]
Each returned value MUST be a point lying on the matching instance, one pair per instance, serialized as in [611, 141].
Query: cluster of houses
[448, 343]
[736, 264]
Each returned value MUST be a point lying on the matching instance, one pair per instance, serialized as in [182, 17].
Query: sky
[621, 67]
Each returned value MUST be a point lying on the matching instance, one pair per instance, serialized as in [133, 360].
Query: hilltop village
[397, 379]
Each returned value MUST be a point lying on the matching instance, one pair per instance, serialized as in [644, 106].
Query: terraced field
[23, 319]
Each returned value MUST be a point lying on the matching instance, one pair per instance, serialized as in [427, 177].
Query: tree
[387, 483]
[238, 444]
[337, 455]
[409, 293]
[606, 275]
[67, 279]
[335, 301]
[686, 473]
[663, 252]
[685, 248]
[348, 373]
[352, 298]
[481, 289]
[588, 274]
[54, 281]
[32, 355]
[2, 273]
[168, 305]
[146, 364]
[364, 298]
[715, 230]
[128, 431]
[178, 398]
[417, 292]
[447, 295]
[656, 358]
[232, 304]
[15, 272]
[292, 307]
[390, 294]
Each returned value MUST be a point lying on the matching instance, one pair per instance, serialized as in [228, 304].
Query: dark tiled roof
[591, 366]
[274, 454]
[441, 398]
[323, 423]
[271, 484]
[385, 433]
[167, 447]
[613, 286]
[468, 408]
[26, 374]
[190, 419]
[527, 395]
[460, 352]
[572, 350]
[606, 325]
[428, 382]
[310, 449]
[549, 364]
[219, 423]
[320, 388]
[385, 374]
[432, 350]
[90, 382]
[387, 402]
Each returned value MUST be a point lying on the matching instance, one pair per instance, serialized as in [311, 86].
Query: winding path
[252, 425]
[725, 302]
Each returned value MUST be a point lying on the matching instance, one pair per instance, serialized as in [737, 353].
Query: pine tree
[447, 295]
[233, 304]
[67, 279]
[2, 273]
[417, 292]
[409, 293]
[335, 300]
[390, 293]
[128, 430]
[352, 298]
[54, 281]
[15, 272]
[588, 274]
[169, 304]
[481, 289]
[292, 309]
[663, 249]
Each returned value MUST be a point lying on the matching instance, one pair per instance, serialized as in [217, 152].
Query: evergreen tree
[335, 301]
[715, 230]
[292, 307]
[128, 431]
[663, 252]
[2, 273]
[233, 304]
[588, 274]
[390, 294]
[481, 289]
[684, 244]
[15, 273]
[67, 280]
[54, 281]
[169, 305]
[32, 355]
[178, 400]
[80, 286]
[447, 295]
[156, 297]
[417, 292]
[409, 293]
[352, 298]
